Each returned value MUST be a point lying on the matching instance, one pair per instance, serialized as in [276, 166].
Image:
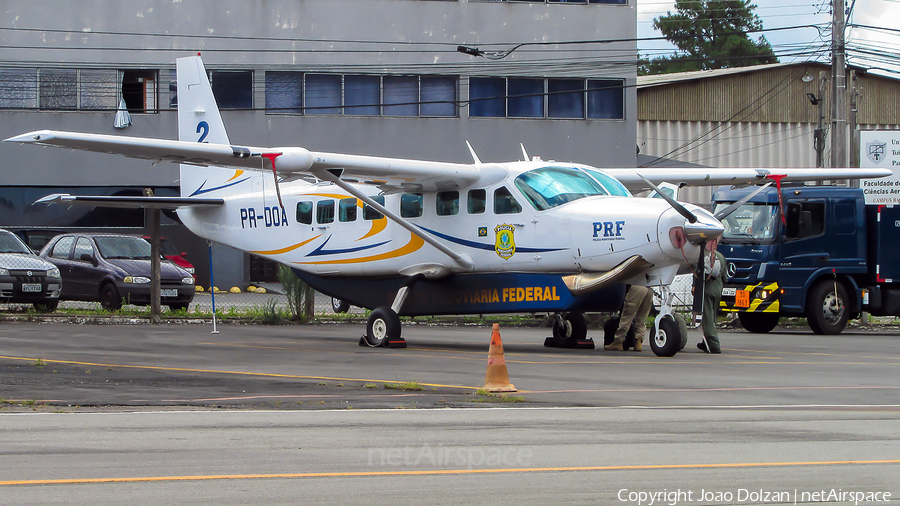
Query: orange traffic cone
[497, 377]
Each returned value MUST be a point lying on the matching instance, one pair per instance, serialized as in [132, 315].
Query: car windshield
[550, 187]
[123, 247]
[752, 222]
[612, 185]
[9, 243]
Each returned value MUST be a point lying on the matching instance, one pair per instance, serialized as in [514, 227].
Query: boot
[614, 346]
[637, 344]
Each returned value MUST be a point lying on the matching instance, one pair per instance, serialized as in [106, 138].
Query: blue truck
[818, 252]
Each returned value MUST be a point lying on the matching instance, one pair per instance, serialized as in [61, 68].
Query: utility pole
[839, 131]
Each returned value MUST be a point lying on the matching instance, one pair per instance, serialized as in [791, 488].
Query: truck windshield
[752, 222]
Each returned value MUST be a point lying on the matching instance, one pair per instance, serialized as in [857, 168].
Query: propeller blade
[734, 207]
[675, 205]
[699, 281]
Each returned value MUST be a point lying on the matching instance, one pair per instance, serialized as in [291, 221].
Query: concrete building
[373, 77]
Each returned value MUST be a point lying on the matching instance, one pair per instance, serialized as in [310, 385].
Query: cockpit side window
[612, 185]
[505, 203]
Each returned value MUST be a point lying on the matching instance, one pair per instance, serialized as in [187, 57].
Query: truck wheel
[668, 342]
[758, 323]
[826, 311]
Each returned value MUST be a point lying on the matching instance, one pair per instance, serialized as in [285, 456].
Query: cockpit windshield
[612, 185]
[752, 222]
[549, 187]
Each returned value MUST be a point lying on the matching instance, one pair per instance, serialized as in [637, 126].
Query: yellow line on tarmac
[437, 472]
[239, 373]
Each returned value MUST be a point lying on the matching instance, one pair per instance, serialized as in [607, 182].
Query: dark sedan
[25, 278]
[115, 269]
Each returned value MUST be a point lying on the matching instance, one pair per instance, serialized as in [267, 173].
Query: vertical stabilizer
[199, 121]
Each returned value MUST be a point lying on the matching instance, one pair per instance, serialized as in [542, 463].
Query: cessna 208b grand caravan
[411, 237]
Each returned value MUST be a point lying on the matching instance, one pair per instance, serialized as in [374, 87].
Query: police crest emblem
[505, 244]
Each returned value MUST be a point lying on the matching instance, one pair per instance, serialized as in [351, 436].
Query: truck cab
[801, 255]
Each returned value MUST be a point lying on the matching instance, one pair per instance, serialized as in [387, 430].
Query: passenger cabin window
[477, 200]
[411, 205]
[505, 203]
[347, 210]
[63, 247]
[304, 212]
[83, 247]
[325, 212]
[370, 213]
[447, 203]
[550, 187]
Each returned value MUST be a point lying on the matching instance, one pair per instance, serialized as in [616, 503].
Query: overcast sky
[806, 43]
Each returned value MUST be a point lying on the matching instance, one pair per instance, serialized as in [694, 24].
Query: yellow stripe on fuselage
[377, 225]
[285, 250]
[237, 173]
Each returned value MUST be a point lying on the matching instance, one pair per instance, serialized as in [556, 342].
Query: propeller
[691, 217]
[734, 207]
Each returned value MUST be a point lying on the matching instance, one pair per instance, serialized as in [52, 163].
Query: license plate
[742, 298]
[729, 291]
[168, 292]
[32, 287]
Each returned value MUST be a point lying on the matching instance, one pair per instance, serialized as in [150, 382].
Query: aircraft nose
[706, 228]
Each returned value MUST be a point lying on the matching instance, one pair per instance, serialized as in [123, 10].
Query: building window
[323, 94]
[233, 89]
[362, 95]
[139, 90]
[525, 98]
[58, 89]
[438, 96]
[487, 97]
[99, 89]
[284, 92]
[606, 99]
[401, 95]
[565, 98]
[18, 88]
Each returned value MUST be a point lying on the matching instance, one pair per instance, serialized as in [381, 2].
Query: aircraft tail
[199, 120]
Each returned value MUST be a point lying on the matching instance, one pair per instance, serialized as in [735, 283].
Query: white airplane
[412, 237]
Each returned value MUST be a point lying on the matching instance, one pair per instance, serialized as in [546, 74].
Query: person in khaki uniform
[638, 301]
[713, 278]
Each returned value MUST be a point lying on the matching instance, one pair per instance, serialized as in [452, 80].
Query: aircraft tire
[668, 342]
[682, 328]
[758, 323]
[826, 312]
[575, 329]
[382, 326]
[339, 306]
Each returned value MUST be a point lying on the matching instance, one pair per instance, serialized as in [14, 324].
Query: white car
[25, 277]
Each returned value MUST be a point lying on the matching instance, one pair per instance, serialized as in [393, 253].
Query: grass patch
[482, 395]
[370, 385]
[409, 386]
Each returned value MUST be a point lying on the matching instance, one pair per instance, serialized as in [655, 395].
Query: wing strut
[464, 260]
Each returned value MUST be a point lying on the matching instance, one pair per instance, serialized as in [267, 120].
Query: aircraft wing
[385, 172]
[129, 201]
[726, 176]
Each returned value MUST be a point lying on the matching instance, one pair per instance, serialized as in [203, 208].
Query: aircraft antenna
[474, 155]
[524, 153]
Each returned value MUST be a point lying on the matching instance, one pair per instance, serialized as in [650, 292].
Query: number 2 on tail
[204, 126]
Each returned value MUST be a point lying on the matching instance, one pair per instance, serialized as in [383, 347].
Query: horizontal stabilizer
[129, 202]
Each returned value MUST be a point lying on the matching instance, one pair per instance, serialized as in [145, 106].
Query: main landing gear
[383, 326]
[569, 331]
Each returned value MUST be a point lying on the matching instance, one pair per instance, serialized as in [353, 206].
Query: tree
[710, 34]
